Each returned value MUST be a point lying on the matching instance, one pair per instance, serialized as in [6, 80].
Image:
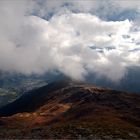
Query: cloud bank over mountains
[73, 37]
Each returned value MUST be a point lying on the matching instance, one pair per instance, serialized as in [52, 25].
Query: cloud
[105, 9]
[73, 43]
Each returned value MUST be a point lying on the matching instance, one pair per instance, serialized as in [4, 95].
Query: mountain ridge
[65, 106]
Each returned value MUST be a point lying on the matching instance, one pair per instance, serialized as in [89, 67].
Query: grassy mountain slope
[71, 110]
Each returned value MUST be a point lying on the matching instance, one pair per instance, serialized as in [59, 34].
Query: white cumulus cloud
[74, 44]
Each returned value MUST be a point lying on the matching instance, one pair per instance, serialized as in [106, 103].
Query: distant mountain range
[13, 85]
[72, 110]
[23, 83]
[129, 83]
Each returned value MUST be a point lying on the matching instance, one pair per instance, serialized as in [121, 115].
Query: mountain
[23, 83]
[30, 101]
[19, 84]
[72, 110]
[13, 85]
[7, 96]
[129, 83]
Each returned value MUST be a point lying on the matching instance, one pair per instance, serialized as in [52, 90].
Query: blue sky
[74, 37]
[105, 9]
